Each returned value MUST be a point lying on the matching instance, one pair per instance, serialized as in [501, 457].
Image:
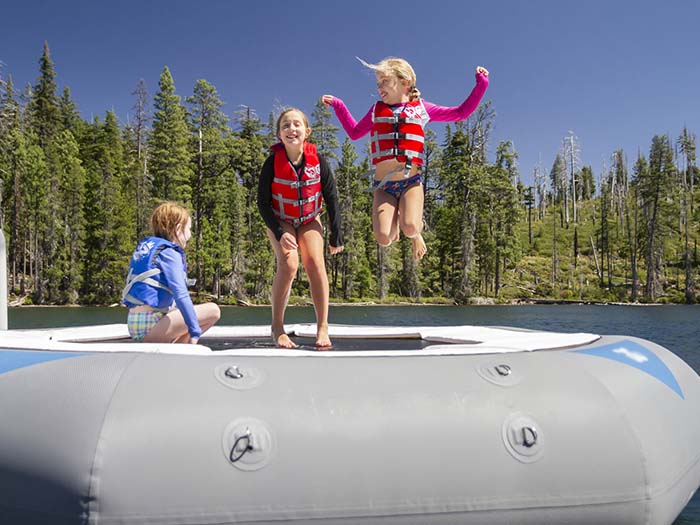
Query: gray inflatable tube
[480, 426]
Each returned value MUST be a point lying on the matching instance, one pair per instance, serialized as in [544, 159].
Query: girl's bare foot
[419, 247]
[282, 340]
[323, 341]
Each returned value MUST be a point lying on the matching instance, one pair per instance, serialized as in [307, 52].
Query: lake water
[676, 327]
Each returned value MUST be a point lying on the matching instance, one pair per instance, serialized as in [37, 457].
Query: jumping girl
[292, 182]
[397, 124]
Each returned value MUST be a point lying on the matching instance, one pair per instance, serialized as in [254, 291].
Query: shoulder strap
[145, 278]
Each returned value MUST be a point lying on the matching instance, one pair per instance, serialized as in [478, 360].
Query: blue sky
[614, 72]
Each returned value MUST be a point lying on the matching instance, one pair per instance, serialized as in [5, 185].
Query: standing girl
[158, 278]
[397, 124]
[292, 182]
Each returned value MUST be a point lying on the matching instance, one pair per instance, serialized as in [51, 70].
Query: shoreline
[477, 302]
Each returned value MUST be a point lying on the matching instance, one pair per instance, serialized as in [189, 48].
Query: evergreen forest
[76, 197]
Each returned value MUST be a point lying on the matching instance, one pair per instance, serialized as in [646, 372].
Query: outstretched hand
[482, 70]
[327, 99]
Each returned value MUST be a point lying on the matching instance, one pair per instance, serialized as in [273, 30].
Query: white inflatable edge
[462, 340]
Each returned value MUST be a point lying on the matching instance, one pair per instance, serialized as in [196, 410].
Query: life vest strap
[295, 202]
[145, 278]
[401, 136]
[309, 199]
[297, 183]
[297, 221]
[398, 120]
[395, 152]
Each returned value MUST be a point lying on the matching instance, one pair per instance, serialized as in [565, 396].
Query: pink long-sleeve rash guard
[356, 130]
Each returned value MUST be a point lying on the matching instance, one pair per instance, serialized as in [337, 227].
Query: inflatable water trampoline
[395, 425]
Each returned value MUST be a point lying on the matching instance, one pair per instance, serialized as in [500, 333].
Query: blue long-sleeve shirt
[172, 265]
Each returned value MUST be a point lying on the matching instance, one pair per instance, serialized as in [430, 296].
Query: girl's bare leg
[385, 217]
[287, 265]
[411, 218]
[173, 329]
[310, 238]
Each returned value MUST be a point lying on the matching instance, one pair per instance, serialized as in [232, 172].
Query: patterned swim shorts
[396, 187]
[140, 323]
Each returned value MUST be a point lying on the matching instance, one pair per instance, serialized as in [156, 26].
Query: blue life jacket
[145, 282]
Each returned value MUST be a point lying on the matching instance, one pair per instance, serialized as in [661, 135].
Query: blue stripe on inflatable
[12, 360]
[636, 355]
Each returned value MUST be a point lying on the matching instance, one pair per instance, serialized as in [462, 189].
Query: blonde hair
[399, 68]
[166, 218]
[289, 110]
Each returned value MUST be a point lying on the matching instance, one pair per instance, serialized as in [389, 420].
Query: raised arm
[355, 130]
[466, 108]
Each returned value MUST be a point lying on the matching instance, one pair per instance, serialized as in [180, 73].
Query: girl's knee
[383, 239]
[315, 265]
[288, 266]
[214, 312]
[411, 229]
[208, 313]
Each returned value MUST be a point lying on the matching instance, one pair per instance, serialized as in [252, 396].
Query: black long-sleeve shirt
[328, 189]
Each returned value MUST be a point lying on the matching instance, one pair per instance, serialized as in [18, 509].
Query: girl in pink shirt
[397, 124]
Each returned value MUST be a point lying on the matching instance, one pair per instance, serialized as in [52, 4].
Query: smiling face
[392, 89]
[293, 129]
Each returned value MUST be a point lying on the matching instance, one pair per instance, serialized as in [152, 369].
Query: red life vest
[296, 199]
[398, 135]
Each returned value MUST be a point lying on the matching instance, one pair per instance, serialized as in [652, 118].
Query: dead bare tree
[572, 158]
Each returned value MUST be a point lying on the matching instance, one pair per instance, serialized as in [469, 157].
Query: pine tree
[464, 163]
[454, 224]
[109, 233]
[44, 107]
[70, 119]
[686, 143]
[213, 159]
[137, 164]
[500, 198]
[586, 184]
[32, 173]
[654, 191]
[168, 146]
[558, 179]
[64, 273]
[9, 108]
[250, 249]
[431, 168]
[351, 265]
[45, 123]
[9, 150]
[324, 133]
